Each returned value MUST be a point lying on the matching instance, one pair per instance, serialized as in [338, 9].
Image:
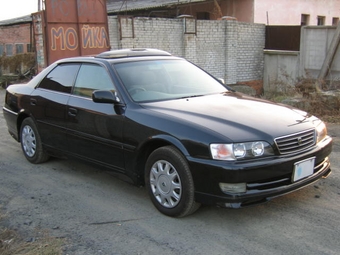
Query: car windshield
[155, 80]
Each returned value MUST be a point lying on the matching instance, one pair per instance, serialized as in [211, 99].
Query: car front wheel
[169, 182]
[31, 143]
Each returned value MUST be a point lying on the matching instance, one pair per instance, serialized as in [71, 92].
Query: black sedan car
[167, 124]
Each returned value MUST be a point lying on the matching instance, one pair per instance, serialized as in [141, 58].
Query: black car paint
[120, 136]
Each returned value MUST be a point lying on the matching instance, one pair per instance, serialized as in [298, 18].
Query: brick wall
[165, 34]
[18, 36]
[210, 47]
[228, 49]
[250, 60]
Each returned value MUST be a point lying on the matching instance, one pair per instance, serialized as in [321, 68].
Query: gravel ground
[97, 213]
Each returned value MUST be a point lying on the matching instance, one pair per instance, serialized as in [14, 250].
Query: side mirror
[105, 96]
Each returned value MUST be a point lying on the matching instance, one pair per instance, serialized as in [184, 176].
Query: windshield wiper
[190, 96]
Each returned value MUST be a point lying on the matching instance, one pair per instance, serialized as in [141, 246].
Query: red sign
[76, 28]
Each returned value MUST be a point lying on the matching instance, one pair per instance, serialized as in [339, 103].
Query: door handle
[72, 112]
[33, 101]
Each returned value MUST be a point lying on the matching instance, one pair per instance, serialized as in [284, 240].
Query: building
[296, 12]
[269, 12]
[16, 36]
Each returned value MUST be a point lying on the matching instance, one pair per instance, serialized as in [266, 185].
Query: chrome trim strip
[9, 111]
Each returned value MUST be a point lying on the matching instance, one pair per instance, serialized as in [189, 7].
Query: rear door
[95, 128]
[48, 105]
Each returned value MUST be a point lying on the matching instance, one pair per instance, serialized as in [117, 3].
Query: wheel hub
[165, 184]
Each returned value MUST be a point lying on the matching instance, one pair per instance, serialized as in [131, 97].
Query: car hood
[236, 116]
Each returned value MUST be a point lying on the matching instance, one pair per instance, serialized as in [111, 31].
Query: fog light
[233, 187]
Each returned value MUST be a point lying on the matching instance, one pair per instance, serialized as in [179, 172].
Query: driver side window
[92, 77]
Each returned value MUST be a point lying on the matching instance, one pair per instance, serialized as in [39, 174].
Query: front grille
[296, 142]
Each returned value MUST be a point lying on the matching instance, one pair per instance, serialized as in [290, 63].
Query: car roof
[122, 55]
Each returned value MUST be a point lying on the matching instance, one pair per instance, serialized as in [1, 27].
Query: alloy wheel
[29, 141]
[165, 184]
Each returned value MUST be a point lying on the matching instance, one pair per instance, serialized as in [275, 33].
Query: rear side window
[61, 78]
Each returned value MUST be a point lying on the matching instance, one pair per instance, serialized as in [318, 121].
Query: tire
[31, 143]
[169, 182]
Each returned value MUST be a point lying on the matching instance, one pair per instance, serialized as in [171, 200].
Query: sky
[16, 8]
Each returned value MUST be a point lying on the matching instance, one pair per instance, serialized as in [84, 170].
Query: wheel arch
[22, 115]
[151, 145]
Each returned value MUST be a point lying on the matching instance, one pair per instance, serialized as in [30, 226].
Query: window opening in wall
[29, 47]
[190, 26]
[203, 15]
[9, 50]
[335, 21]
[19, 48]
[126, 27]
[1, 50]
[304, 19]
[321, 20]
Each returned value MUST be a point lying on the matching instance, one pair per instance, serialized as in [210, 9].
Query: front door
[95, 129]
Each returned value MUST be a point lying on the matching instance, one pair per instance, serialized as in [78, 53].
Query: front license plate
[303, 169]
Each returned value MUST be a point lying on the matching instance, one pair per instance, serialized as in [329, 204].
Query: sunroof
[132, 53]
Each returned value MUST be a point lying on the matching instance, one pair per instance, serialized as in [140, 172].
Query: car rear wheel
[31, 142]
[169, 182]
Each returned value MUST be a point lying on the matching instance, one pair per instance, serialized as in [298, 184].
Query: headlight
[240, 150]
[257, 149]
[321, 131]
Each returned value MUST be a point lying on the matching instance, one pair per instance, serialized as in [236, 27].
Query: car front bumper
[264, 178]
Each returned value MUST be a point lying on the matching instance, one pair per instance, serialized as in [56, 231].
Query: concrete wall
[284, 68]
[315, 43]
[228, 49]
[281, 69]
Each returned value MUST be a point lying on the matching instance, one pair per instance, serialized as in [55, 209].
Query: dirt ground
[96, 213]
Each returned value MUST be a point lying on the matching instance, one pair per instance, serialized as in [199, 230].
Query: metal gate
[74, 28]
